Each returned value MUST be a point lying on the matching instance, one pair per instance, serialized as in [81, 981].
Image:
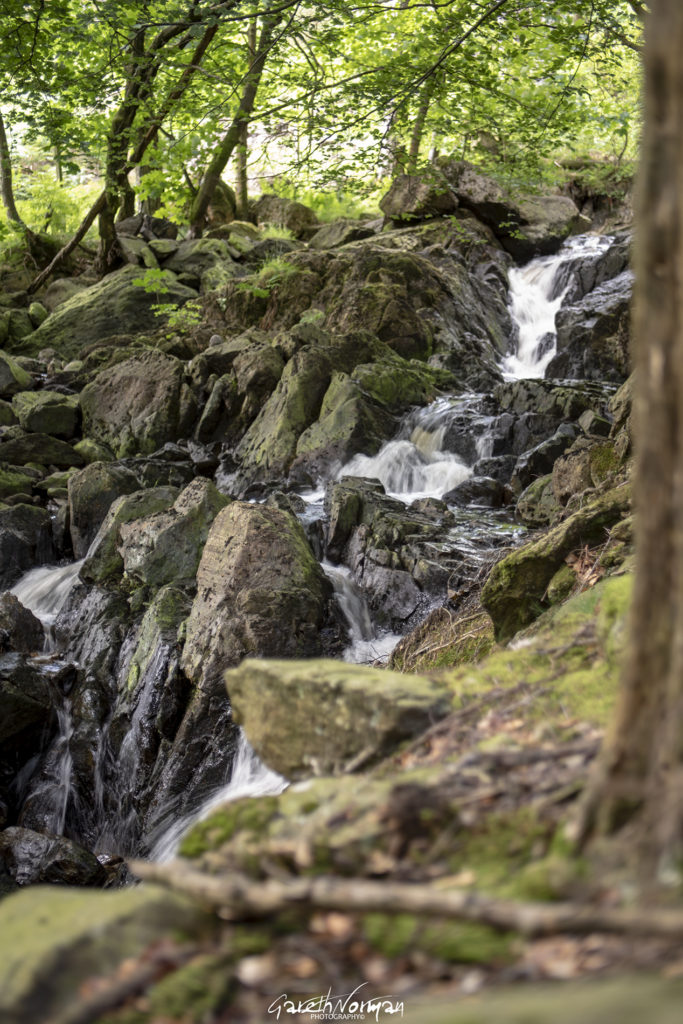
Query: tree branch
[244, 898]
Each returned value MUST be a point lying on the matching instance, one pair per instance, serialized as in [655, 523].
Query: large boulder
[25, 541]
[117, 305]
[417, 197]
[546, 221]
[47, 412]
[285, 213]
[339, 232]
[316, 717]
[139, 404]
[19, 448]
[91, 492]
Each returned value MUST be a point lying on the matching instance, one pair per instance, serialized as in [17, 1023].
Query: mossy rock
[47, 412]
[537, 504]
[318, 716]
[104, 561]
[53, 940]
[515, 591]
[14, 481]
[12, 378]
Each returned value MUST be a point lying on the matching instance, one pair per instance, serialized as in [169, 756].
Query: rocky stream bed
[375, 443]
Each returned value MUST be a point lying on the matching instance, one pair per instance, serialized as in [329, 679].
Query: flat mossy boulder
[138, 405]
[116, 305]
[316, 717]
[19, 448]
[12, 378]
[515, 591]
[47, 412]
[13, 480]
[167, 545]
[104, 561]
[537, 505]
[53, 940]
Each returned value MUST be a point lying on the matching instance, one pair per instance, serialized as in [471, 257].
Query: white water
[533, 309]
[45, 590]
[366, 643]
[249, 777]
[413, 466]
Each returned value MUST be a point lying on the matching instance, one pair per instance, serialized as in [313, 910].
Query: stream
[436, 450]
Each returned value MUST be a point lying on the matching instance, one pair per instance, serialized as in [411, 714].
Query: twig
[237, 896]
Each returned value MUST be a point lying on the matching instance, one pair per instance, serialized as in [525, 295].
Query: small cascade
[44, 592]
[413, 465]
[366, 643]
[249, 777]
[49, 798]
[536, 294]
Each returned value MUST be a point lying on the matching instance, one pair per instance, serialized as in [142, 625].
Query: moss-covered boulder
[47, 412]
[285, 213]
[317, 717]
[114, 306]
[104, 561]
[167, 546]
[537, 505]
[18, 448]
[515, 591]
[91, 491]
[12, 378]
[54, 940]
[13, 480]
[139, 405]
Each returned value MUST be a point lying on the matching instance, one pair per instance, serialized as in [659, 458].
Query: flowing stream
[433, 452]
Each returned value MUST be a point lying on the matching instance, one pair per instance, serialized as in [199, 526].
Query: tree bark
[242, 153]
[419, 125]
[639, 777]
[231, 139]
[6, 187]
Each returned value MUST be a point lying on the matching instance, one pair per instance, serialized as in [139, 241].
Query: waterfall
[366, 643]
[44, 592]
[535, 298]
[413, 465]
[249, 777]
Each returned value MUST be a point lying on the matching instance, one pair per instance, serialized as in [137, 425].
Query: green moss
[604, 462]
[454, 942]
[200, 988]
[244, 815]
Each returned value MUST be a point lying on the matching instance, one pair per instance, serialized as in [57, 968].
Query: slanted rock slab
[316, 717]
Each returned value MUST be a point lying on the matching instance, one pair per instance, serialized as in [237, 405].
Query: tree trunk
[242, 153]
[639, 777]
[419, 125]
[231, 139]
[6, 179]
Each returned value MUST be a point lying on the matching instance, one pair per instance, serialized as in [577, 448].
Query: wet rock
[26, 700]
[316, 717]
[114, 306]
[394, 596]
[104, 561]
[20, 630]
[593, 335]
[12, 378]
[478, 490]
[285, 213]
[139, 404]
[31, 857]
[167, 545]
[91, 492]
[577, 277]
[541, 459]
[25, 541]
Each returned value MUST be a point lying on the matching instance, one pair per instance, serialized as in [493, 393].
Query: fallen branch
[237, 896]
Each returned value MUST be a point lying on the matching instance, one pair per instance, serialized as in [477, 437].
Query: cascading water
[366, 643]
[535, 298]
[248, 777]
[413, 465]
